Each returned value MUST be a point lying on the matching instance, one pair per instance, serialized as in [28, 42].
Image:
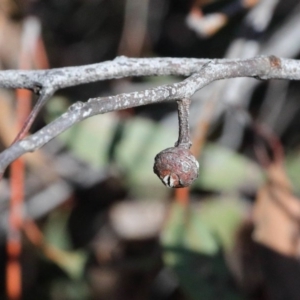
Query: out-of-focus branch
[51, 80]
[135, 27]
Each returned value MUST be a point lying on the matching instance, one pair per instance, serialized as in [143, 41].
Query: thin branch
[184, 139]
[259, 67]
[120, 67]
[262, 67]
[45, 95]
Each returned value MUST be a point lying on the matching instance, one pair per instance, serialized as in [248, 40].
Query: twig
[182, 195]
[45, 95]
[48, 81]
[184, 139]
[264, 67]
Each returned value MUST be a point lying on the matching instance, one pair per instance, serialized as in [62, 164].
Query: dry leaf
[276, 214]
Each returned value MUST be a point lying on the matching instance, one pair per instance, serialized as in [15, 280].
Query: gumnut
[176, 167]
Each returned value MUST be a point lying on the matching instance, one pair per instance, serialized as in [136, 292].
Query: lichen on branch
[199, 72]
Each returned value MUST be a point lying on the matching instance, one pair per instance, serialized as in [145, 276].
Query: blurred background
[86, 218]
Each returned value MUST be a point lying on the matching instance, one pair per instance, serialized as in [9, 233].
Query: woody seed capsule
[176, 167]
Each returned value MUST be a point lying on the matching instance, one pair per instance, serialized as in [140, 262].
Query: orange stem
[36, 237]
[182, 196]
[17, 173]
[41, 59]
[13, 271]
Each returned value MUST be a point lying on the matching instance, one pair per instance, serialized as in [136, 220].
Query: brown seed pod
[176, 167]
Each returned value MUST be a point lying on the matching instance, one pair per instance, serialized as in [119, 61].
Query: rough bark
[201, 72]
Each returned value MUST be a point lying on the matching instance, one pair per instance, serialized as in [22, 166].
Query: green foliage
[220, 169]
[293, 169]
[193, 241]
[224, 170]
[72, 262]
[65, 289]
[195, 238]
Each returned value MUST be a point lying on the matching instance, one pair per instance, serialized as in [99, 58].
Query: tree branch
[270, 67]
[44, 96]
[47, 82]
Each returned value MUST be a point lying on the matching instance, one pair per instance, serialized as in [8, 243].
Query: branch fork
[47, 82]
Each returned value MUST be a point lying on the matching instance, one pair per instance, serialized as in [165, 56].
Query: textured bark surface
[201, 72]
[176, 167]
